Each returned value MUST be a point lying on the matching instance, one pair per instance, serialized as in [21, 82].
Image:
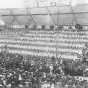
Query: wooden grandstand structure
[63, 43]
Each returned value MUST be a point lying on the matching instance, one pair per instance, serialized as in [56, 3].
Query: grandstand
[44, 43]
[28, 31]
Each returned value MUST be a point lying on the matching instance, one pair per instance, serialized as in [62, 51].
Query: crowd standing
[17, 71]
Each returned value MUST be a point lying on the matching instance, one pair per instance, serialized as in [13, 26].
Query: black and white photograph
[43, 43]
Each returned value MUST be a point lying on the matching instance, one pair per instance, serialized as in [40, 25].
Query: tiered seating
[45, 43]
[70, 43]
[39, 43]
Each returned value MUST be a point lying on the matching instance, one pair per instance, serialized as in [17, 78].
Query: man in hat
[85, 53]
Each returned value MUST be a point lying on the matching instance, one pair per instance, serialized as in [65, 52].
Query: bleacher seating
[45, 43]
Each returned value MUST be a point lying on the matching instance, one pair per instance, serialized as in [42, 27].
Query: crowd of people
[18, 71]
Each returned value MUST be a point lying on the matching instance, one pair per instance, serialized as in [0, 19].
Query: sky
[30, 3]
[11, 4]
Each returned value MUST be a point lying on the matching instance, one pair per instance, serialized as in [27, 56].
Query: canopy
[47, 15]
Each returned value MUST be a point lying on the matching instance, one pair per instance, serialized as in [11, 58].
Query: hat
[86, 44]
